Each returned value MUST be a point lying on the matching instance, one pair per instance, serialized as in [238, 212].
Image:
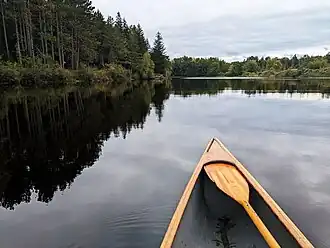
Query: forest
[294, 67]
[50, 43]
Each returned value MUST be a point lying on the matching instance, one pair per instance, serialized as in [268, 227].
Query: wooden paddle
[230, 181]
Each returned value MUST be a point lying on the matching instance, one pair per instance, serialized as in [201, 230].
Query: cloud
[276, 34]
[230, 28]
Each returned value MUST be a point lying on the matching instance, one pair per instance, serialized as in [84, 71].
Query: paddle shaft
[260, 225]
[229, 180]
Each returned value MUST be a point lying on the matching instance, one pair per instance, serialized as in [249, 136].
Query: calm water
[92, 168]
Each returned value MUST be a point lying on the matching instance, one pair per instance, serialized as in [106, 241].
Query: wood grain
[229, 180]
[175, 221]
[215, 152]
[281, 215]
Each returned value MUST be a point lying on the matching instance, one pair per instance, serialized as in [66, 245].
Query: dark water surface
[93, 168]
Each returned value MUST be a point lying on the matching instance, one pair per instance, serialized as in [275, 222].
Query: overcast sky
[230, 29]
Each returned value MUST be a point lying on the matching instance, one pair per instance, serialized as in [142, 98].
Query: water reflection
[189, 87]
[127, 198]
[49, 137]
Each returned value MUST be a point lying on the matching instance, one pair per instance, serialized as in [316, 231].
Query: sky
[231, 29]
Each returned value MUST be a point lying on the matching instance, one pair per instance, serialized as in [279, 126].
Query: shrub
[41, 75]
[269, 73]
[8, 76]
[118, 73]
[289, 73]
[45, 76]
[84, 76]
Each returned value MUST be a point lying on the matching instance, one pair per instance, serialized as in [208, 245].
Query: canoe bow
[217, 152]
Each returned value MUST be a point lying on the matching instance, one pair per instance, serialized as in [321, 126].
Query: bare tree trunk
[77, 67]
[30, 31]
[77, 56]
[72, 50]
[41, 37]
[62, 48]
[28, 40]
[45, 33]
[52, 42]
[18, 46]
[101, 59]
[4, 29]
[24, 32]
[21, 35]
[58, 39]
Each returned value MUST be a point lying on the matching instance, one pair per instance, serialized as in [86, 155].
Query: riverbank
[253, 78]
[42, 76]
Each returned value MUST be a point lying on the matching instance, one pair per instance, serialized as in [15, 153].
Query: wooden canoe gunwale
[213, 151]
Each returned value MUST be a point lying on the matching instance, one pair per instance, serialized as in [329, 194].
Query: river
[92, 168]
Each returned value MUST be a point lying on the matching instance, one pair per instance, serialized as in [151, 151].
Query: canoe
[207, 217]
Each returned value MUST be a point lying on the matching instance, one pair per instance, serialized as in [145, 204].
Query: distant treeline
[50, 36]
[294, 67]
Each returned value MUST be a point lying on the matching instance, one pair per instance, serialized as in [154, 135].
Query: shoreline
[251, 78]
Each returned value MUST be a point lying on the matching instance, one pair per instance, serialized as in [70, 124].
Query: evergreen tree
[294, 61]
[158, 55]
[71, 33]
[141, 40]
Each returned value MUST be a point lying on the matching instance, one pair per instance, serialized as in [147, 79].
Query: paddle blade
[229, 180]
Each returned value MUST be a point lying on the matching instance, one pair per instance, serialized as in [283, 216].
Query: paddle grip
[261, 226]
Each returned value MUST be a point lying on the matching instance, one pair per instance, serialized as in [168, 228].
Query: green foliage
[159, 57]
[273, 64]
[289, 73]
[268, 73]
[251, 66]
[147, 67]
[54, 35]
[235, 69]
[317, 63]
[188, 66]
[305, 66]
[44, 76]
[111, 74]
[9, 76]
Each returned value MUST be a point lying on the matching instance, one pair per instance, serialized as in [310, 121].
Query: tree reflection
[188, 87]
[48, 138]
[162, 93]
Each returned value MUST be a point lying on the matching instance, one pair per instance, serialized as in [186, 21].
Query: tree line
[73, 35]
[293, 67]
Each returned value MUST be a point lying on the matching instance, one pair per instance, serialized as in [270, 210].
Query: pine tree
[158, 55]
[141, 40]
[70, 33]
[294, 61]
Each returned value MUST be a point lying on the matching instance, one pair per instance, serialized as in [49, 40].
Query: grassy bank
[12, 75]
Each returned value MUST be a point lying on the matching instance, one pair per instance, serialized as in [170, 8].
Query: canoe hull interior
[212, 219]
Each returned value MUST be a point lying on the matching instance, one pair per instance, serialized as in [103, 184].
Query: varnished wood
[229, 180]
[174, 224]
[214, 152]
[281, 215]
